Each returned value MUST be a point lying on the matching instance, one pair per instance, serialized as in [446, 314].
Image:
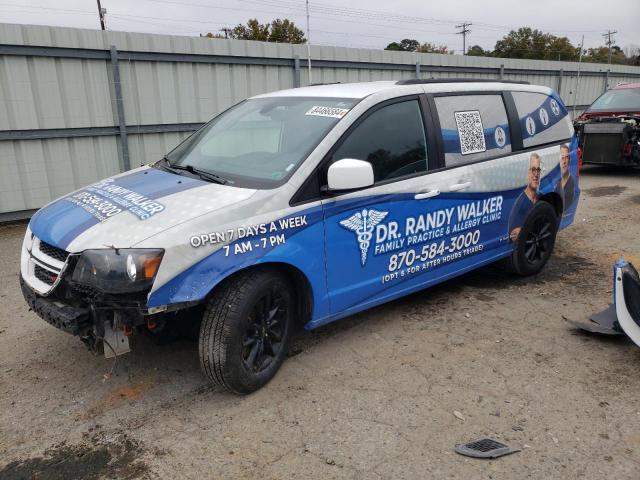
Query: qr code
[471, 132]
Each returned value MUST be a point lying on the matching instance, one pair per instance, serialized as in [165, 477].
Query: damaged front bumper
[102, 322]
[73, 320]
[611, 140]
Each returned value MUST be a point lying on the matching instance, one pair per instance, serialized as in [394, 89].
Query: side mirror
[349, 174]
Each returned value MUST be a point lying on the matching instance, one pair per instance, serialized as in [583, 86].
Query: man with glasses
[527, 198]
[566, 185]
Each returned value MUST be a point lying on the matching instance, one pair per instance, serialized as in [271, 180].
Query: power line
[297, 9]
[464, 32]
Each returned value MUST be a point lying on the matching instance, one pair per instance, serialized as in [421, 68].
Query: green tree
[478, 51]
[281, 31]
[405, 45]
[433, 48]
[284, 31]
[253, 30]
[601, 55]
[212, 35]
[535, 44]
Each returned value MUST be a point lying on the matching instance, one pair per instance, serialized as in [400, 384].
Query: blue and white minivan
[305, 206]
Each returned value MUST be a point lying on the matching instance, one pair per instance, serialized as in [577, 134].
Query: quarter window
[543, 118]
[473, 127]
[392, 139]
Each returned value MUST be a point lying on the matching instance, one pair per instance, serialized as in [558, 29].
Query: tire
[246, 329]
[535, 242]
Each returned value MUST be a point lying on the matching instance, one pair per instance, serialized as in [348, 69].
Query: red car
[609, 130]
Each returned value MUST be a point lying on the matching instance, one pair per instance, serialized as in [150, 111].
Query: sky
[358, 23]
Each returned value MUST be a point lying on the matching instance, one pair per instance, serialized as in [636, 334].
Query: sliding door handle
[428, 194]
[459, 186]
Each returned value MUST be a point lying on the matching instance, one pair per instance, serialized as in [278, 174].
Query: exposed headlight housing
[122, 270]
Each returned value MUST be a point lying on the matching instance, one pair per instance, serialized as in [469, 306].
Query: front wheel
[535, 241]
[245, 330]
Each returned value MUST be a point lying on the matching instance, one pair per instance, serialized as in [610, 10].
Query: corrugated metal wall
[59, 114]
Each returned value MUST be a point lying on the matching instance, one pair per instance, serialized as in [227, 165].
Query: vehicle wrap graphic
[411, 245]
[362, 224]
[133, 194]
[300, 244]
[542, 118]
[533, 123]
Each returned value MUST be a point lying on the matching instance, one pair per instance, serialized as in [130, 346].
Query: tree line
[526, 43]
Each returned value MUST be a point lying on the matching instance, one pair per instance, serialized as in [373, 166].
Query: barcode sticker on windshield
[470, 131]
[332, 112]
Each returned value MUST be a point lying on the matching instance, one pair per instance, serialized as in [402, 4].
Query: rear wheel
[246, 329]
[535, 241]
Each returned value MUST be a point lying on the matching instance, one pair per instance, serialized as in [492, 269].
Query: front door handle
[429, 194]
[459, 186]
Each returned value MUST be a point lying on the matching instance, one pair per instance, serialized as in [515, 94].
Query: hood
[587, 115]
[124, 210]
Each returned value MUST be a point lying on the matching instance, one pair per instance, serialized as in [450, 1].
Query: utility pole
[101, 12]
[464, 32]
[575, 95]
[609, 42]
[308, 44]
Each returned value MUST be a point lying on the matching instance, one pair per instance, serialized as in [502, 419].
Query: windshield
[260, 142]
[627, 100]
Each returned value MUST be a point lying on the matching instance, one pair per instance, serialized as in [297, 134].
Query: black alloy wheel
[262, 341]
[538, 240]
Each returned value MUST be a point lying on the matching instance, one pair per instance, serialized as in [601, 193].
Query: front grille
[45, 275]
[53, 252]
[85, 291]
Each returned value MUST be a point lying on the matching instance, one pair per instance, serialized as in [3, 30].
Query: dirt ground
[372, 396]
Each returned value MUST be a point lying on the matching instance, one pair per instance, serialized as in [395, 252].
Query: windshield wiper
[165, 164]
[203, 174]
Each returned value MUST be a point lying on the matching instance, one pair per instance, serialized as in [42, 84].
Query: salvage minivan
[306, 206]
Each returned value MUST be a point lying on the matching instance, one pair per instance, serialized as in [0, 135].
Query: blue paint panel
[303, 249]
[54, 223]
[61, 222]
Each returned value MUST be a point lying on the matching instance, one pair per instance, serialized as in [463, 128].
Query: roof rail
[417, 81]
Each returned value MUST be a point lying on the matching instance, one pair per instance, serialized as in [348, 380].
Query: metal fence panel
[60, 96]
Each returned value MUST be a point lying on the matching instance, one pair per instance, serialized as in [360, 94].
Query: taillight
[579, 160]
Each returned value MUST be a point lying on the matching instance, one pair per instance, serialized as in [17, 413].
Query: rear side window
[543, 119]
[474, 127]
[391, 139]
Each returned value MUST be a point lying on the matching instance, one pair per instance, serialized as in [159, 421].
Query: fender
[303, 250]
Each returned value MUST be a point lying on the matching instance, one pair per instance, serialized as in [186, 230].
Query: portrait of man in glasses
[566, 185]
[527, 198]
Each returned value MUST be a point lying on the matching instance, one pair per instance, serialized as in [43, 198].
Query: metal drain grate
[485, 448]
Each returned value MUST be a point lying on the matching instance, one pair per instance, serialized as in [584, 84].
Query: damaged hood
[124, 210]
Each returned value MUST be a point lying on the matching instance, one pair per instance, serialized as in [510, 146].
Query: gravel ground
[372, 396]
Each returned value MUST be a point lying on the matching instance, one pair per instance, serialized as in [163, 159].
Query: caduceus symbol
[363, 223]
